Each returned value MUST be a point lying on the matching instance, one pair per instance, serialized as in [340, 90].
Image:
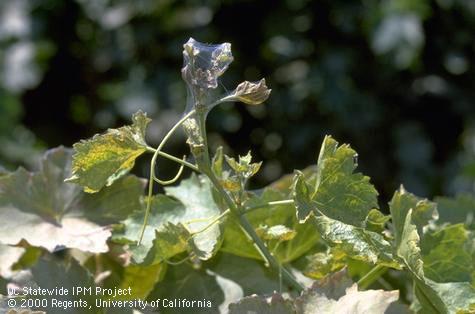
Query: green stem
[205, 167]
[371, 276]
[202, 126]
[152, 170]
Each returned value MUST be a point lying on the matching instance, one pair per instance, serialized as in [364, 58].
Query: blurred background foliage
[395, 79]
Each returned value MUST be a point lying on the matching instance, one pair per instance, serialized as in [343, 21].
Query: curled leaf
[251, 93]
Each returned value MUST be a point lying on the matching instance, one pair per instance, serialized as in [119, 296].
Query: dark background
[392, 78]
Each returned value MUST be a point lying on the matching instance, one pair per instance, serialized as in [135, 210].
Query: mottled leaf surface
[356, 242]
[103, 159]
[337, 192]
[449, 254]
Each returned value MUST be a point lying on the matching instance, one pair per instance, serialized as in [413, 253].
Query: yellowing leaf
[103, 159]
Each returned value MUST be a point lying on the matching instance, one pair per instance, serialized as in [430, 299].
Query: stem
[371, 276]
[202, 125]
[245, 225]
[152, 170]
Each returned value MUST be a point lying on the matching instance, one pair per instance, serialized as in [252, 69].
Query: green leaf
[357, 243]
[141, 279]
[449, 254]
[172, 223]
[9, 255]
[105, 158]
[460, 209]
[47, 212]
[171, 240]
[343, 202]
[50, 273]
[236, 242]
[250, 275]
[336, 191]
[185, 282]
[433, 297]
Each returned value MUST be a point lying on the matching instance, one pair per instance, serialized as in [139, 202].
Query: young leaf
[251, 93]
[337, 192]
[244, 167]
[47, 212]
[105, 158]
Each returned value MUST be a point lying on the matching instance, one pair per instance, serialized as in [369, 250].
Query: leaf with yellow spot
[103, 159]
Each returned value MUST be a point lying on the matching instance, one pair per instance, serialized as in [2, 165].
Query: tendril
[152, 176]
[175, 178]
